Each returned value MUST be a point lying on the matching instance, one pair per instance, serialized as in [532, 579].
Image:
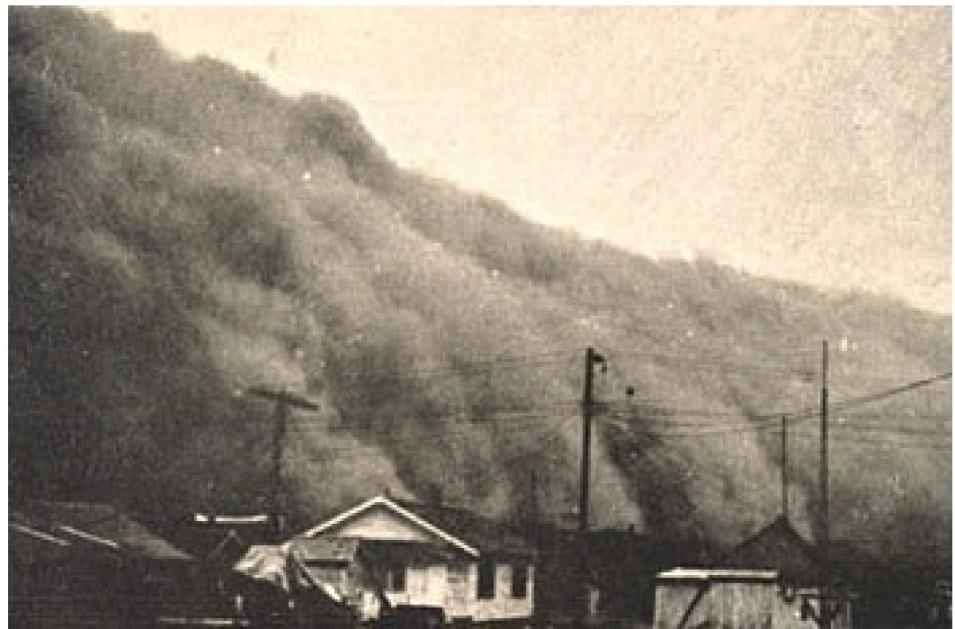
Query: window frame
[396, 578]
[520, 568]
[486, 586]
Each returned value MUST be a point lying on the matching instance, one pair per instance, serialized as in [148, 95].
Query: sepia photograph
[486, 317]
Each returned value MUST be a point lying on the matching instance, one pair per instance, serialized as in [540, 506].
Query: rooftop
[717, 574]
[777, 546]
[93, 523]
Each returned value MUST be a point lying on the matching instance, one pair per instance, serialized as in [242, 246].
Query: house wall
[424, 585]
[453, 588]
[742, 605]
[503, 606]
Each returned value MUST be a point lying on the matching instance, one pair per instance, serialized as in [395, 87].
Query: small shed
[701, 597]
[802, 574]
[742, 599]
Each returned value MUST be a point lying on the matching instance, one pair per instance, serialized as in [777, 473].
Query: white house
[417, 554]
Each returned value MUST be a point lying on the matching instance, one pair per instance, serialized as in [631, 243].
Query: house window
[519, 580]
[395, 579]
[485, 580]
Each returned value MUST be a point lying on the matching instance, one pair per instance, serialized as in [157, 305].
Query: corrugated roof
[29, 545]
[98, 524]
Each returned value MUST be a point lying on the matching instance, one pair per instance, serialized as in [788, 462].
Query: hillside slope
[179, 233]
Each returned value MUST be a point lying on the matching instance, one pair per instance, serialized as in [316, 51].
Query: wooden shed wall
[735, 605]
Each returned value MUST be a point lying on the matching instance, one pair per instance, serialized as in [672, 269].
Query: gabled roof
[461, 529]
[97, 524]
[777, 546]
[397, 509]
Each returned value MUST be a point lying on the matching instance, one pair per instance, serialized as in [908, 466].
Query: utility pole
[784, 472]
[824, 602]
[591, 359]
[284, 402]
[587, 410]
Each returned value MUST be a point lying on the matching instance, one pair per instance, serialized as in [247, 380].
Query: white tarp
[279, 565]
[268, 563]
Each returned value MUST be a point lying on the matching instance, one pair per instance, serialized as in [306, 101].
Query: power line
[476, 417]
[900, 430]
[670, 455]
[372, 378]
[755, 422]
[897, 415]
[768, 365]
[389, 429]
[545, 445]
[882, 395]
[923, 445]
[681, 430]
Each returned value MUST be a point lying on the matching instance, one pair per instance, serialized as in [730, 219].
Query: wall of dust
[179, 233]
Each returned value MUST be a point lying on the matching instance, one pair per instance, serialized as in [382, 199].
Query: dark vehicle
[315, 610]
[412, 617]
[218, 598]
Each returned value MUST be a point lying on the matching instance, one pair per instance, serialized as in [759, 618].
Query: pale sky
[799, 143]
